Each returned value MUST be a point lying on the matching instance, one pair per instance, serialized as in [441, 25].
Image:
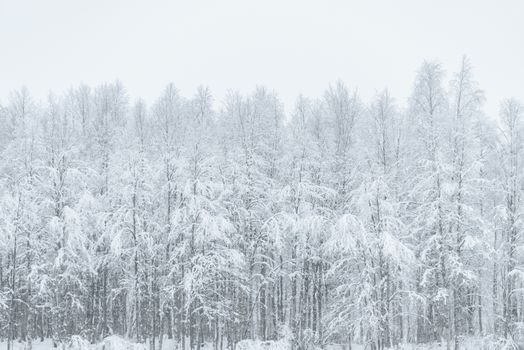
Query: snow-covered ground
[78, 343]
[118, 343]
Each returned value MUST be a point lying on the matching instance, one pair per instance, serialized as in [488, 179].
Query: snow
[119, 343]
[78, 343]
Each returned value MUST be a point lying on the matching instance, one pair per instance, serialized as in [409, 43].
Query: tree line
[341, 221]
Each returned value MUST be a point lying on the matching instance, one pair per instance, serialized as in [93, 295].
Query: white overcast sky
[290, 46]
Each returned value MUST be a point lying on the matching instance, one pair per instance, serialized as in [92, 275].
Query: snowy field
[118, 343]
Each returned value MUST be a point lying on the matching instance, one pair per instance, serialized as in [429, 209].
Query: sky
[289, 46]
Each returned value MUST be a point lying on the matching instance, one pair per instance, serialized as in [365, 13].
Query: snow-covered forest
[333, 221]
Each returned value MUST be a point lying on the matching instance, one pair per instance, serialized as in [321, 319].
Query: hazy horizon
[293, 48]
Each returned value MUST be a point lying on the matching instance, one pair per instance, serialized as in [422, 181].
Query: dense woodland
[336, 220]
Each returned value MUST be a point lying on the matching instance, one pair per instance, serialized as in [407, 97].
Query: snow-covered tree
[344, 221]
